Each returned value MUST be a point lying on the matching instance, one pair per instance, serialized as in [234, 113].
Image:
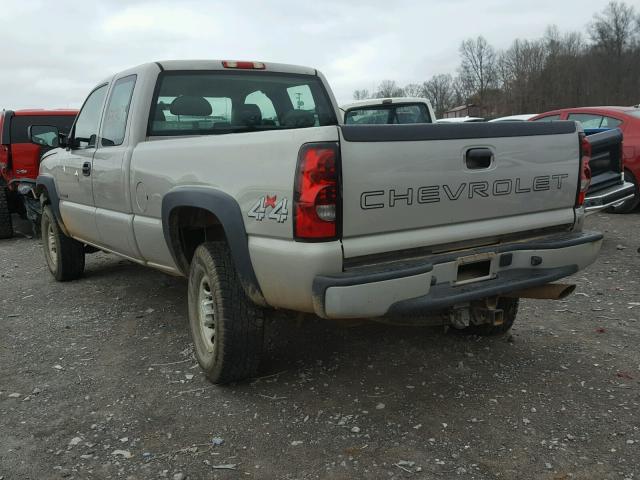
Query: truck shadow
[293, 343]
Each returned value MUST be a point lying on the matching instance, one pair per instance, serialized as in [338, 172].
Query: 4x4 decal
[278, 211]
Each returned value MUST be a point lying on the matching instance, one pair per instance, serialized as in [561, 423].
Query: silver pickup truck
[241, 177]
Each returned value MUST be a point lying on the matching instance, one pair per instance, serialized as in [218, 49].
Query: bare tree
[388, 88]
[519, 70]
[462, 91]
[439, 91]
[614, 33]
[615, 28]
[413, 90]
[478, 66]
[561, 69]
[361, 94]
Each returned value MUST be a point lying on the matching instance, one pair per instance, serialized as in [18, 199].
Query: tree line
[532, 76]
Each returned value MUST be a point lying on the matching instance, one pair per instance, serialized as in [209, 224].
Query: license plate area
[474, 268]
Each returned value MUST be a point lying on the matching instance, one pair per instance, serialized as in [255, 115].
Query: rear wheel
[509, 306]
[628, 205]
[226, 326]
[64, 255]
[6, 225]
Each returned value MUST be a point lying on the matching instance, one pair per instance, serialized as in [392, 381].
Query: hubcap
[51, 246]
[206, 315]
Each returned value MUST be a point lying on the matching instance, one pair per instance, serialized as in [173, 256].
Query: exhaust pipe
[550, 291]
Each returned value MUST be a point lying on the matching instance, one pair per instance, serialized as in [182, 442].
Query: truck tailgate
[606, 158]
[459, 182]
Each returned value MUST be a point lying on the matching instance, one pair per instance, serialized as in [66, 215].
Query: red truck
[20, 160]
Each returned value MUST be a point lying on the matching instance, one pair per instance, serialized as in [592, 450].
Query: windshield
[200, 103]
[388, 114]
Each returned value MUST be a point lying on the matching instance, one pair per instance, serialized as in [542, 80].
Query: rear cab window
[388, 114]
[219, 102]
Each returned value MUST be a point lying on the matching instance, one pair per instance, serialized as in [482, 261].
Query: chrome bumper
[609, 197]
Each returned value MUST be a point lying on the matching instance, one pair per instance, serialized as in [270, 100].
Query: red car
[626, 119]
[20, 160]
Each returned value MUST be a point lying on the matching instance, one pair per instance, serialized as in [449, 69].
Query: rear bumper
[430, 284]
[606, 198]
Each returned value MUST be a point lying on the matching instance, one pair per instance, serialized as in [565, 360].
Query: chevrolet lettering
[471, 190]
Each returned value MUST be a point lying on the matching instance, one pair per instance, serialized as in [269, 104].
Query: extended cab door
[73, 175]
[111, 192]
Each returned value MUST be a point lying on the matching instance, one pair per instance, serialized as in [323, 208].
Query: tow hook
[478, 313]
[487, 311]
[459, 317]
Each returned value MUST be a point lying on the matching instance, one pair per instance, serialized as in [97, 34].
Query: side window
[549, 118]
[264, 103]
[301, 97]
[117, 111]
[609, 122]
[85, 131]
[588, 120]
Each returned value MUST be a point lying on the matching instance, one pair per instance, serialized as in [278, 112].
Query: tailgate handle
[479, 158]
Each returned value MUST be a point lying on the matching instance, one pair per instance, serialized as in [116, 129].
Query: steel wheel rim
[206, 315]
[52, 249]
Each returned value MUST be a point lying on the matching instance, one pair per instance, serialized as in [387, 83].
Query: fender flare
[228, 212]
[47, 183]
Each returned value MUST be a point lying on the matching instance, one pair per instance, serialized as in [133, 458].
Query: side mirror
[44, 135]
[63, 140]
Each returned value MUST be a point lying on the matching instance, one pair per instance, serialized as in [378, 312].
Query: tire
[510, 311]
[226, 326]
[35, 227]
[64, 255]
[629, 205]
[6, 225]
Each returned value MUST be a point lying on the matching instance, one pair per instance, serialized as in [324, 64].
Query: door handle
[86, 169]
[478, 158]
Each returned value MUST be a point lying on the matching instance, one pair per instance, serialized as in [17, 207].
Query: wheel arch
[48, 194]
[218, 216]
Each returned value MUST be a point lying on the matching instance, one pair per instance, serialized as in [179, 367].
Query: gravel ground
[98, 381]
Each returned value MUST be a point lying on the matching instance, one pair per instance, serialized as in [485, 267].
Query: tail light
[585, 169]
[316, 199]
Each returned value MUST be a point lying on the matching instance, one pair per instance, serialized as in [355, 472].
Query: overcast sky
[53, 53]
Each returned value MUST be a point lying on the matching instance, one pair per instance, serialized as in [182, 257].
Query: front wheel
[628, 205]
[64, 255]
[226, 326]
